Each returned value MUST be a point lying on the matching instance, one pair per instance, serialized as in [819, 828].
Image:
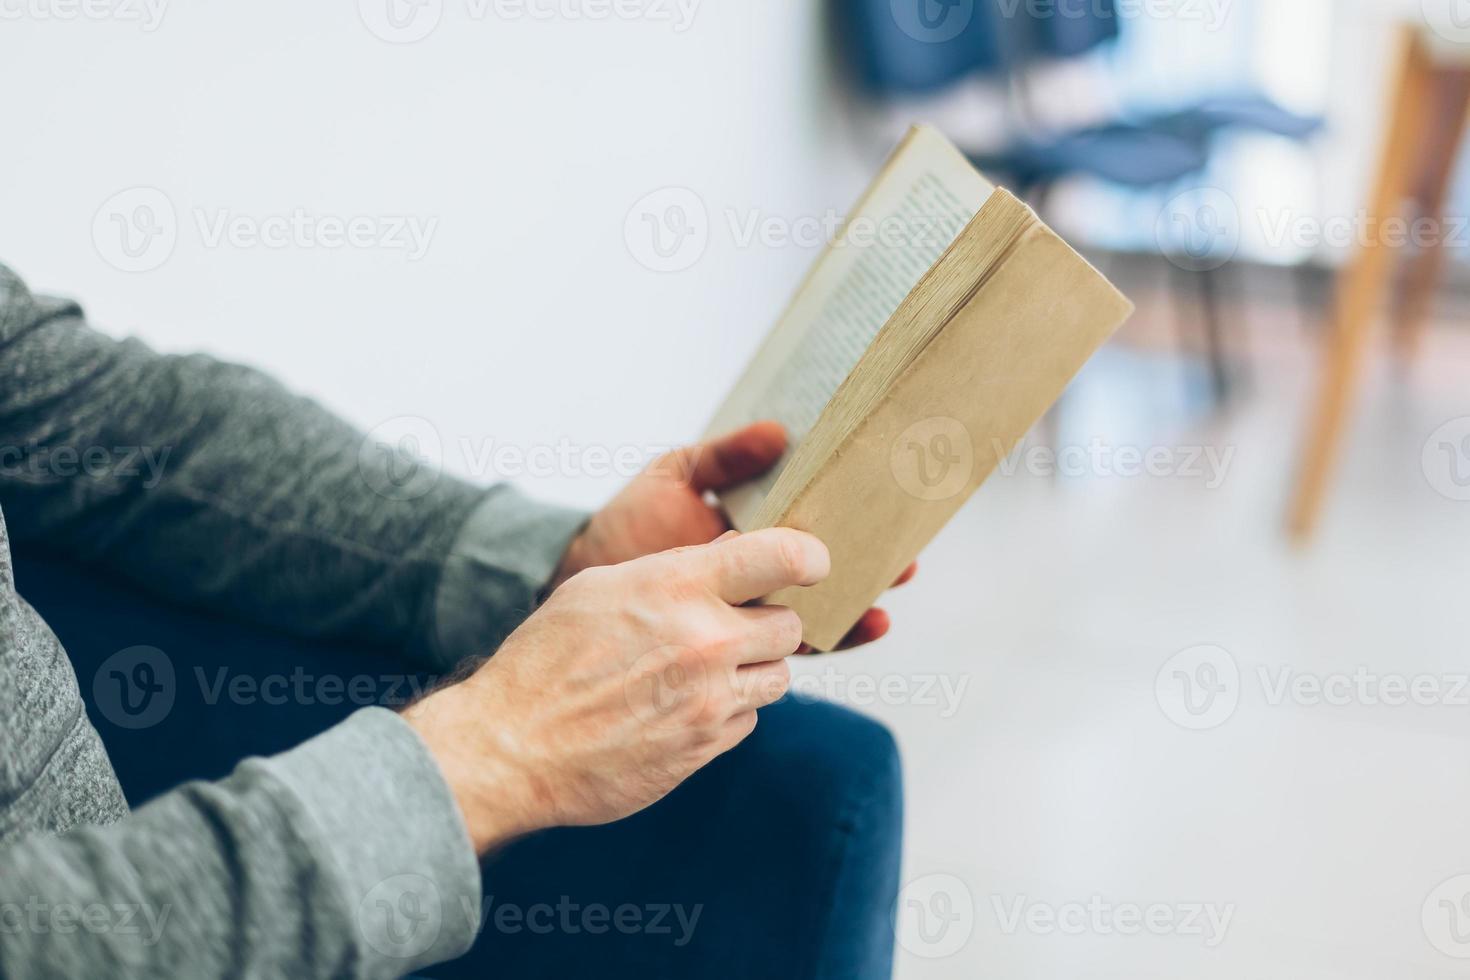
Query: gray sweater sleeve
[211, 484]
[343, 858]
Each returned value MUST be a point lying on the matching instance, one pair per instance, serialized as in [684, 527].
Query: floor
[1144, 736]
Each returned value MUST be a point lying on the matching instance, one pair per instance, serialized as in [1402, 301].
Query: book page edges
[989, 376]
[994, 217]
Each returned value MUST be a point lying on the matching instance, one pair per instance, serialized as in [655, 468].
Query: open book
[924, 344]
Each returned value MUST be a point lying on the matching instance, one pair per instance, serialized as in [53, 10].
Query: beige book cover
[924, 344]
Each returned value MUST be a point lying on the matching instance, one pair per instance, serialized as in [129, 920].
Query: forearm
[345, 857]
[213, 485]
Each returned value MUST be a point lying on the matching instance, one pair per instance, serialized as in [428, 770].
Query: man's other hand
[665, 508]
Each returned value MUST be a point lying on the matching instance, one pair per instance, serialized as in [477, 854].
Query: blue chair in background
[914, 47]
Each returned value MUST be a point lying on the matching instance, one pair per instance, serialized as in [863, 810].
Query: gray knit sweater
[210, 484]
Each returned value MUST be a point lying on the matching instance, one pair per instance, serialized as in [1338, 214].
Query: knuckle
[714, 641]
[746, 726]
[677, 582]
[787, 628]
[778, 682]
[686, 659]
[791, 556]
[712, 713]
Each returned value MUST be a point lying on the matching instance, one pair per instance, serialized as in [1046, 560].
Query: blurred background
[1185, 690]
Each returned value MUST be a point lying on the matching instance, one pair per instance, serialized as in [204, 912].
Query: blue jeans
[779, 859]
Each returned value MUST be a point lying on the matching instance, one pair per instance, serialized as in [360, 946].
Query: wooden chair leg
[1362, 287]
[1451, 104]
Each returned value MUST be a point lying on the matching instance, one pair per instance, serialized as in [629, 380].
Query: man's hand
[664, 508]
[625, 682]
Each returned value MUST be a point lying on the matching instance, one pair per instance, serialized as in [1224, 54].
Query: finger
[873, 626]
[737, 729]
[770, 633]
[753, 565]
[733, 459]
[907, 575]
[757, 685]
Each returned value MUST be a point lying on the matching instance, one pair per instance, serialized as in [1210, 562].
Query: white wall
[529, 321]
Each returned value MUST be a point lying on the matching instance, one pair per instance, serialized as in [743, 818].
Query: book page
[926, 195]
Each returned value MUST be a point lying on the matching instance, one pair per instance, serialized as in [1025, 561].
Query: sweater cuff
[505, 554]
[390, 832]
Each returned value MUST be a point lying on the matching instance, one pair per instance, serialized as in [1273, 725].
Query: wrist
[479, 765]
[573, 560]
